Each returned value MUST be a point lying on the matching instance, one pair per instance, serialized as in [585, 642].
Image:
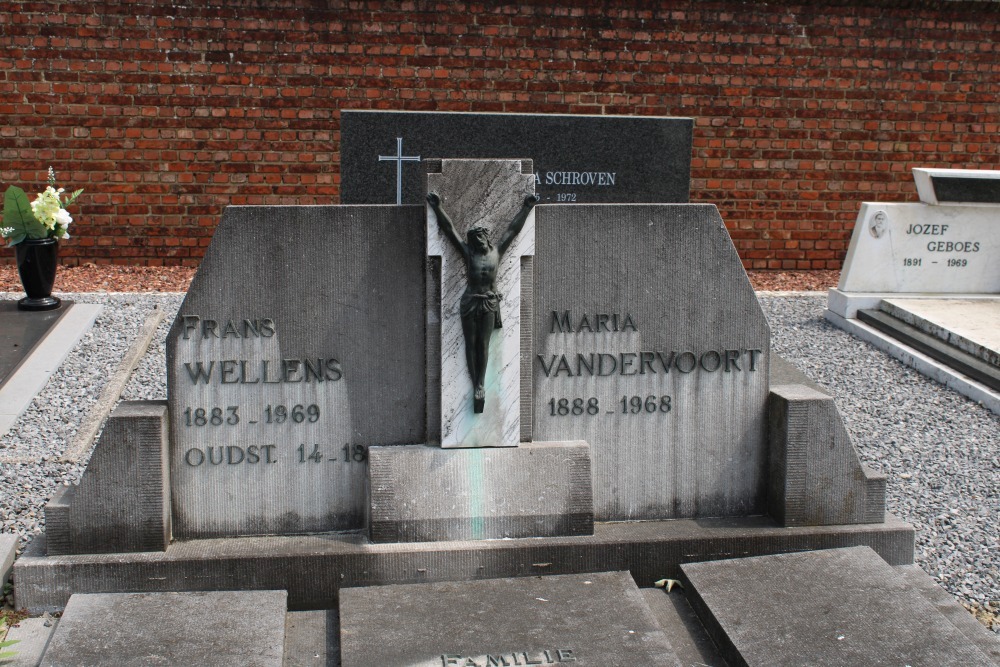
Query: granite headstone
[650, 345]
[577, 158]
[297, 346]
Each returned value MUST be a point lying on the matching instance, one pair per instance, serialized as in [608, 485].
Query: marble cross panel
[486, 193]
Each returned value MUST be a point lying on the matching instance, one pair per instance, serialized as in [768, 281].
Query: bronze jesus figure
[480, 306]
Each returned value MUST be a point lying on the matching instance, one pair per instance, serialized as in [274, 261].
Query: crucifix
[481, 224]
[399, 159]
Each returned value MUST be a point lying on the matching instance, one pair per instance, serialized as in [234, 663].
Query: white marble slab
[487, 193]
[971, 325]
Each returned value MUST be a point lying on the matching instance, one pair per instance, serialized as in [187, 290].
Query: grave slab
[923, 363]
[212, 629]
[687, 635]
[423, 494]
[32, 635]
[312, 638]
[911, 337]
[34, 371]
[598, 619]
[577, 158]
[971, 325]
[826, 608]
[21, 330]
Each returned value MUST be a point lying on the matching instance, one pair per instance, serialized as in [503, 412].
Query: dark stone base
[313, 568]
[44, 303]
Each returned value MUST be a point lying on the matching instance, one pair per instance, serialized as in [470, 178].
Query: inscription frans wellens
[236, 371]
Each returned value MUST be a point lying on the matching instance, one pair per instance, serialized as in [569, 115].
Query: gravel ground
[939, 450]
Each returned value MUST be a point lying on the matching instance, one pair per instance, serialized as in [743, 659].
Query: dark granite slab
[966, 190]
[581, 159]
[21, 331]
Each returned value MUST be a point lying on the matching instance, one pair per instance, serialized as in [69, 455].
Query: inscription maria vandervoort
[734, 361]
[254, 413]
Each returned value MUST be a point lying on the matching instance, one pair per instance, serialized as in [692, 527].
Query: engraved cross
[399, 159]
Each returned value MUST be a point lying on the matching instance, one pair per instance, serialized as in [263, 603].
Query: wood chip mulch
[116, 278]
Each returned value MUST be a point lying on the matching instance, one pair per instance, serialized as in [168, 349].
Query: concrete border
[113, 389]
[313, 568]
[31, 376]
[919, 361]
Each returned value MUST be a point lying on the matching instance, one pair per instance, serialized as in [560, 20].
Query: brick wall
[167, 111]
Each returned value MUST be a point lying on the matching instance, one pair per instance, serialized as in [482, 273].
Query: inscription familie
[514, 659]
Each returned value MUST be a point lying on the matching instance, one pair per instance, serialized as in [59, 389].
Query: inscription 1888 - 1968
[567, 324]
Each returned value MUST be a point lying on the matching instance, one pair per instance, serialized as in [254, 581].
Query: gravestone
[304, 424]
[577, 158]
[286, 365]
[945, 248]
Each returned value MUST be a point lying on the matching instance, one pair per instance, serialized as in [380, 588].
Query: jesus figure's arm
[518, 222]
[446, 225]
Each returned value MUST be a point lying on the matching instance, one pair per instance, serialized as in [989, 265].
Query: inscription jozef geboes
[278, 386]
[655, 352]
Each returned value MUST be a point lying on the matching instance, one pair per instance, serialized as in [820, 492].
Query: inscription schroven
[251, 371]
[603, 364]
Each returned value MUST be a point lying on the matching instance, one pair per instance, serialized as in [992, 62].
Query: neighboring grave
[946, 247]
[581, 159]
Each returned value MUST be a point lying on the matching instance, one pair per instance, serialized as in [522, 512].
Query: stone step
[933, 347]
[218, 628]
[838, 607]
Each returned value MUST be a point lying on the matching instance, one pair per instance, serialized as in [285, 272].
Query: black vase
[36, 264]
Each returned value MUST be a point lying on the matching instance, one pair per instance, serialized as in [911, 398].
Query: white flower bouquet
[46, 217]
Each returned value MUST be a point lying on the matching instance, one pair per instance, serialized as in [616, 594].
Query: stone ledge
[312, 568]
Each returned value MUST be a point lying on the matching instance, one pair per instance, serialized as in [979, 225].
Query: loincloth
[475, 305]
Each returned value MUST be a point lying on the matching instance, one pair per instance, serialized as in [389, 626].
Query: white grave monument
[922, 281]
